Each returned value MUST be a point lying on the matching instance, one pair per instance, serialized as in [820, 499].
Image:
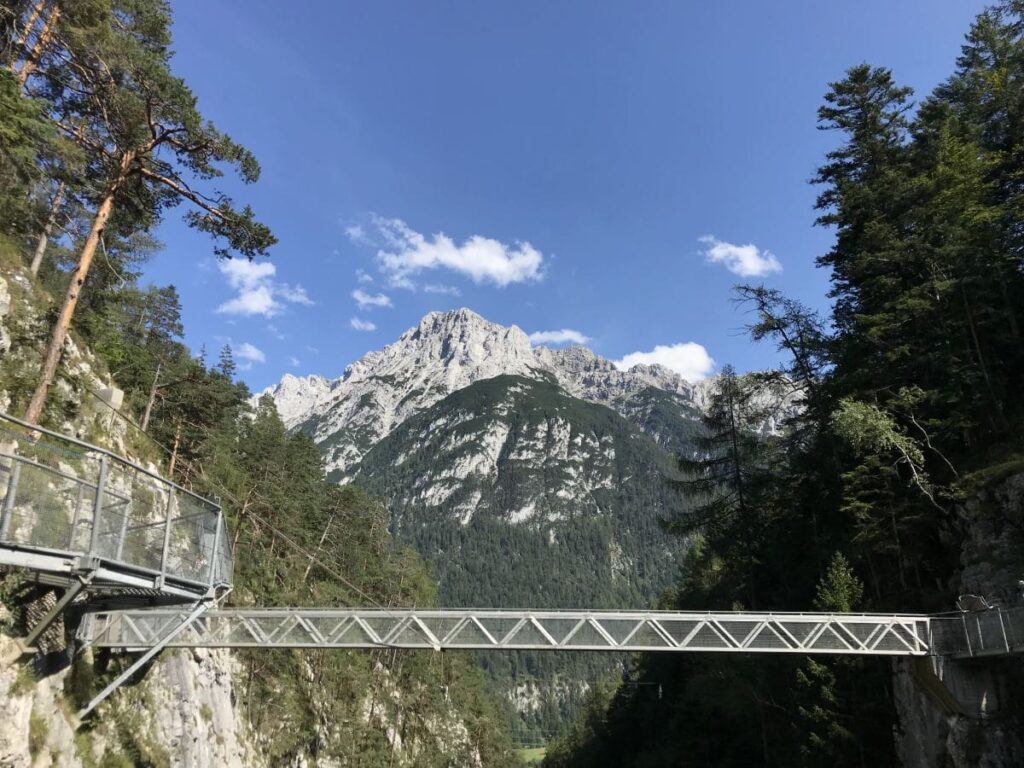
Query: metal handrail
[107, 452]
[111, 508]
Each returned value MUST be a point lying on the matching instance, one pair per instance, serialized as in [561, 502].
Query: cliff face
[182, 714]
[983, 724]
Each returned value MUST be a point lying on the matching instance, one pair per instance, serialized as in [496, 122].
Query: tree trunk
[44, 237]
[1000, 424]
[152, 397]
[22, 41]
[28, 66]
[319, 547]
[67, 310]
[174, 449]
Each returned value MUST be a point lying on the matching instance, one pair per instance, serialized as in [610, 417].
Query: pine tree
[113, 95]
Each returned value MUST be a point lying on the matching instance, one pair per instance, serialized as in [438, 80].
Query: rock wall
[970, 714]
[183, 715]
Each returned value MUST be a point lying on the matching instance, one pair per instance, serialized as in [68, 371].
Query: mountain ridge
[445, 352]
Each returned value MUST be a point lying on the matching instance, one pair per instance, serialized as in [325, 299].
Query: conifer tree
[111, 92]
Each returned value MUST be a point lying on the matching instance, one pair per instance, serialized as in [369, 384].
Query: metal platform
[615, 631]
[80, 517]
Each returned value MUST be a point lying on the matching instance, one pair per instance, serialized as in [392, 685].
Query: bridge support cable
[171, 630]
[613, 631]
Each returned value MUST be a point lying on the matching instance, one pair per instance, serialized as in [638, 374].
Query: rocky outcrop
[183, 714]
[964, 714]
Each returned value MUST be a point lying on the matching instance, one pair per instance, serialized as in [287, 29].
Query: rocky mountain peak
[443, 353]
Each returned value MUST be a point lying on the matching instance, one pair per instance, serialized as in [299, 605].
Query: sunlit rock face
[447, 352]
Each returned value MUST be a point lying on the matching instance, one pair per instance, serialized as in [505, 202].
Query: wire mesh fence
[62, 495]
[994, 632]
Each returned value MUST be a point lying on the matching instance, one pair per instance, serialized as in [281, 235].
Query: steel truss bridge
[523, 630]
[146, 565]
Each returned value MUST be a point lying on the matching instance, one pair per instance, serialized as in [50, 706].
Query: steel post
[216, 549]
[167, 536]
[97, 508]
[78, 514]
[124, 528]
[8, 509]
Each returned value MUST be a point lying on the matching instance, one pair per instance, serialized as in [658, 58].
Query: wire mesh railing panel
[59, 493]
[42, 506]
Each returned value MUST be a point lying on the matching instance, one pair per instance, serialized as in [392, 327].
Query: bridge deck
[616, 631]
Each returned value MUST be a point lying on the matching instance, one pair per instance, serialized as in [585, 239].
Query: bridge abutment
[960, 713]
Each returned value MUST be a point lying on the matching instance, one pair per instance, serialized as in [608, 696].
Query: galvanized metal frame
[170, 631]
[59, 563]
[613, 631]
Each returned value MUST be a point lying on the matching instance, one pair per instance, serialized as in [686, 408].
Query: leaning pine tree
[112, 93]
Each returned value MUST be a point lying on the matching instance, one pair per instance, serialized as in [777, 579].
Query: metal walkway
[526, 630]
[996, 632]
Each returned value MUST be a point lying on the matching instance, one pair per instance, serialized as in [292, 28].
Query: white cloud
[564, 336]
[248, 354]
[482, 259]
[448, 290]
[258, 292]
[363, 277]
[357, 234]
[293, 362]
[689, 359]
[274, 331]
[362, 325]
[743, 260]
[364, 299]
[246, 351]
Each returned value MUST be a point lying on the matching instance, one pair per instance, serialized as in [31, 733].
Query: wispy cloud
[293, 362]
[743, 260]
[563, 336]
[404, 253]
[362, 325]
[364, 277]
[357, 234]
[248, 354]
[258, 292]
[448, 290]
[274, 331]
[365, 300]
[689, 359]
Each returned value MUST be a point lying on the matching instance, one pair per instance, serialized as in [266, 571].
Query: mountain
[522, 495]
[446, 352]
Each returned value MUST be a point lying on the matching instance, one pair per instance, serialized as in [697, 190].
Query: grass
[532, 755]
[37, 732]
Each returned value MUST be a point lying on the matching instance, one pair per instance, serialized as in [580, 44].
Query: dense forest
[911, 402]
[98, 140]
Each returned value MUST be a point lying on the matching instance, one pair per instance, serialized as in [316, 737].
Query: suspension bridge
[148, 566]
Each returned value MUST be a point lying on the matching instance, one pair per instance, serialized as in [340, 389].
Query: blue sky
[610, 168]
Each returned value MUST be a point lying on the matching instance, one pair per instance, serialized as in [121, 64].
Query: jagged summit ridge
[443, 353]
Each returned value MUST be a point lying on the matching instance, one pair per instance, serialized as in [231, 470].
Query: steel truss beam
[618, 631]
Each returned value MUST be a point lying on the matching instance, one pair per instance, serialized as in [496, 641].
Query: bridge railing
[972, 634]
[551, 630]
[65, 496]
